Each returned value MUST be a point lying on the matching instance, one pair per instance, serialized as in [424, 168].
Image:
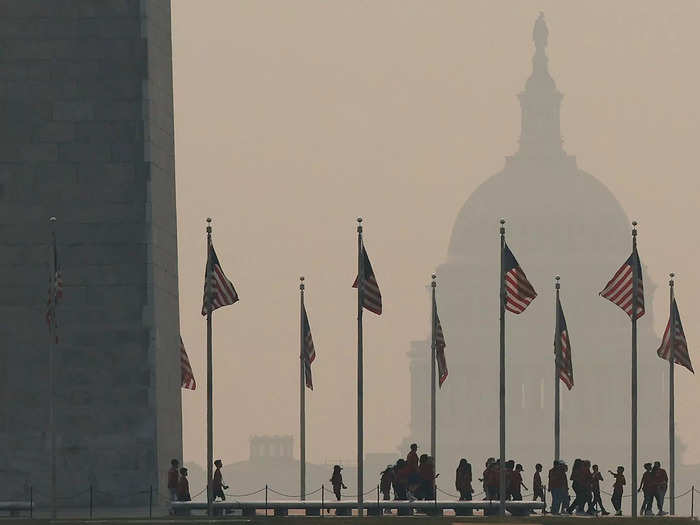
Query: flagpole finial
[301, 282]
[503, 226]
[433, 283]
[556, 284]
[634, 228]
[670, 282]
[208, 224]
[359, 225]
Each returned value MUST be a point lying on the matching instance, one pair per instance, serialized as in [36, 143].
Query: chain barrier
[245, 495]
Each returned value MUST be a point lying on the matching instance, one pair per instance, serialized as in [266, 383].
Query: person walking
[386, 478]
[183, 486]
[463, 480]
[596, 500]
[557, 486]
[537, 488]
[646, 486]
[618, 488]
[218, 482]
[173, 476]
[337, 481]
[660, 479]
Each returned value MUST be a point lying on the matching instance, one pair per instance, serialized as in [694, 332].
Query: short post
[323, 490]
[692, 501]
[90, 501]
[150, 502]
[379, 510]
[31, 501]
[265, 499]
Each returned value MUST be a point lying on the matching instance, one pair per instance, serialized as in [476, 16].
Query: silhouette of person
[183, 486]
[517, 483]
[337, 481]
[218, 486]
[661, 483]
[388, 477]
[537, 487]
[463, 480]
[618, 488]
[647, 487]
[172, 479]
[596, 478]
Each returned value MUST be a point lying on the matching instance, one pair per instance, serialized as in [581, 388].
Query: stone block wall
[86, 135]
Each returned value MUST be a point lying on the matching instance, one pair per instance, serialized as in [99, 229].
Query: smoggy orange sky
[294, 118]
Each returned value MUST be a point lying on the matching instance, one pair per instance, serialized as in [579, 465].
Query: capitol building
[562, 221]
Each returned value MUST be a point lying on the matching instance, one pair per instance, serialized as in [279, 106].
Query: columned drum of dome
[562, 221]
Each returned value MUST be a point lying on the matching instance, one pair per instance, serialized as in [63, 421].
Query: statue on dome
[540, 32]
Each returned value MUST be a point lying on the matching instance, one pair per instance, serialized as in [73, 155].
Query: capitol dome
[560, 221]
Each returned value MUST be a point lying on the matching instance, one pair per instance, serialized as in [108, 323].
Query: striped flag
[55, 290]
[440, 350]
[680, 345]
[519, 291]
[565, 367]
[619, 289]
[186, 376]
[371, 296]
[309, 352]
[223, 293]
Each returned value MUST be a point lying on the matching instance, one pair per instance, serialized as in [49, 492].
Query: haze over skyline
[397, 111]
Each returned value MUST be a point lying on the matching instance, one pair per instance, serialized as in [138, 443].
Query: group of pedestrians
[179, 486]
[654, 485]
[411, 478]
[585, 482]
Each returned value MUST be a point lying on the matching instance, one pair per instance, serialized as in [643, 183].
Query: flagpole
[52, 350]
[671, 404]
[635, 278]
[557, 361]
[502, 389]
[210, 414]
[302, 397]
[433, 359]
[360, 292]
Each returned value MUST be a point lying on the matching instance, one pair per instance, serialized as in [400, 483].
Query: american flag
[565, 367]
[680, 345]
[371, 296]
[519, 291]
[619, 289]
[309, 352]
[55, 290]
[440, 350]
[223, 293]
[186, 376]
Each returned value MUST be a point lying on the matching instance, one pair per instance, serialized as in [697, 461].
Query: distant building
[560, 220]
[271, 447]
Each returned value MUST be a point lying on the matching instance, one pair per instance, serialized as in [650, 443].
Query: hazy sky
[294, 118]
